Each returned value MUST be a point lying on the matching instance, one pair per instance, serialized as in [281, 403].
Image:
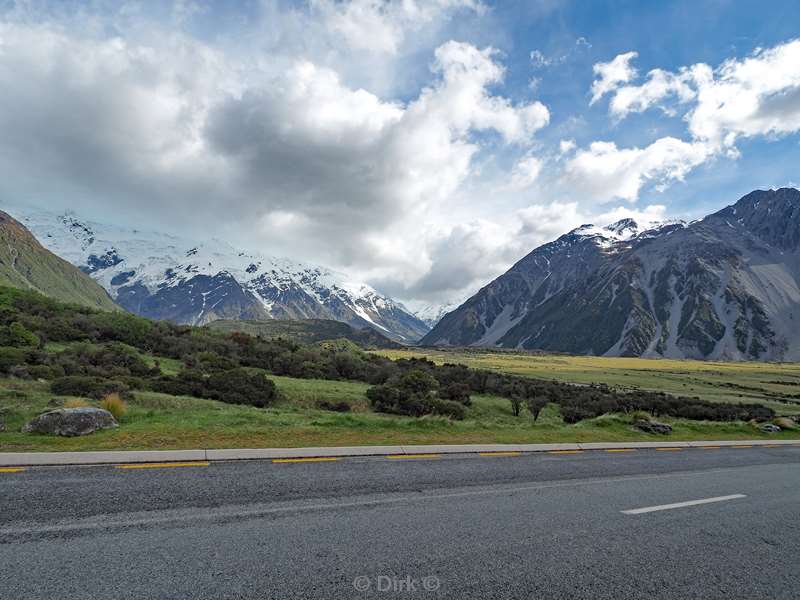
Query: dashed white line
[648, 509]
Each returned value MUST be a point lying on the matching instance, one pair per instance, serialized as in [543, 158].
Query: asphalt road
[461, 527]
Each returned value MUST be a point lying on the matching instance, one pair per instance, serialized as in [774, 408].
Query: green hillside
[26, 264]
[308, 331]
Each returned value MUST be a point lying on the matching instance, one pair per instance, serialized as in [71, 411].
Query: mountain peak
[623, 227]
[771, 215]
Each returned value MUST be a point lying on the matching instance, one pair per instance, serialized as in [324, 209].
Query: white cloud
[381, 25]
[603, 171]
[612, 74]
[178, 128]
[525, 173]
[759, 95]
[566, 146]
[660, 84]
[755, 96]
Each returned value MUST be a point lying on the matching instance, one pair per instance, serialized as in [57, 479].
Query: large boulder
[653, 427]
[71, 422]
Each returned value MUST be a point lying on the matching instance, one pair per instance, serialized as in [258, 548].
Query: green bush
[10, 357]
[456, 392]
[88, 387]
[239, 386]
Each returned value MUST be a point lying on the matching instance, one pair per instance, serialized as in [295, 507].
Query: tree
[535, 406]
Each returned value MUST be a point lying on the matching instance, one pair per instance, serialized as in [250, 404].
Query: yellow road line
[11, 470]
[500, 453]
[163, 465]
[709, 447]
[771, 446]
[401, 456]
[739, 446]
[668, 449]
[304, 460]
[565, 452]
[621, 450]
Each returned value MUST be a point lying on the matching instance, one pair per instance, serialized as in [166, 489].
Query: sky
[423, 146]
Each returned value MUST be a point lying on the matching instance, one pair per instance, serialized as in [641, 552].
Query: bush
[399, 401]
[10, 357]
[114, 404]
[535, 406]
[448, 408]
[45, 372]
[334, 406]
[456, 392]
[88, 387]
[239, 386]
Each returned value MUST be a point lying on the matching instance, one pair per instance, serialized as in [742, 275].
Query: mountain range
[724, 287]
[196, 282]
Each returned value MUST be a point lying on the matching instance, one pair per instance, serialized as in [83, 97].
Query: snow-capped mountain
[724, 287]
[162, 276]
[431, 314]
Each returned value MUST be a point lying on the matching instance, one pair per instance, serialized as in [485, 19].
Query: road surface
[692, 523]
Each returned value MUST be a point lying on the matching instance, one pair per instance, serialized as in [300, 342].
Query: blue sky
[422, 145]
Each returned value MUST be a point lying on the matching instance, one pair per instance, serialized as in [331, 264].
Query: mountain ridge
[25, 263]
[724, 287]
[163, 276]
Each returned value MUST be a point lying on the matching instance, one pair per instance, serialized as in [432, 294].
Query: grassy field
[159, 421]
[771, 384]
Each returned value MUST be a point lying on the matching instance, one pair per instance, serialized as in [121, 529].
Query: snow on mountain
[725, 287]
[431, 314]
[163, 276]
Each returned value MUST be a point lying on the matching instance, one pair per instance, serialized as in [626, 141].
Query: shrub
[399, 401]
[516, 404]
[45, 372]
[88, 387]
[10, 357]
[535, 406]
[239, 386]
[456, 392]
[416, 382]
[114, 404]
[447, 408]
[334, 406]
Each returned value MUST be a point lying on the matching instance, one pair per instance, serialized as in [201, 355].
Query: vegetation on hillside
[26, 264]
[307, 331]
[104, 353]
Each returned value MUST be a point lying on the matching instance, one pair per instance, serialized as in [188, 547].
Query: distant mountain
[725, 287]
[431, 314]
[25, 263]
[309, 331]
[166, 277]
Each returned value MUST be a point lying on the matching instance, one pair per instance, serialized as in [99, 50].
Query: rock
[2, 424]
[653, 427]
[71, 422]
[785, 423]
[770, 428]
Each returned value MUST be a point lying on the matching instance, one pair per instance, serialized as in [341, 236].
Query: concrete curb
[15, 459]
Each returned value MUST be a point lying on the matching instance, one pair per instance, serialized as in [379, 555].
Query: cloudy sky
[421, 145]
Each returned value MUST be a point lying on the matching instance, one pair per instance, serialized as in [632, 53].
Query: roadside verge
[18, 459]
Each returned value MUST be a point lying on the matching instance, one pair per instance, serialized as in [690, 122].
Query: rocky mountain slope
[25, 263]
[725, 287]
[166, 277]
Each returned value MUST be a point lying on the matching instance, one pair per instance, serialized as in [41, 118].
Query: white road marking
[648, 509]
